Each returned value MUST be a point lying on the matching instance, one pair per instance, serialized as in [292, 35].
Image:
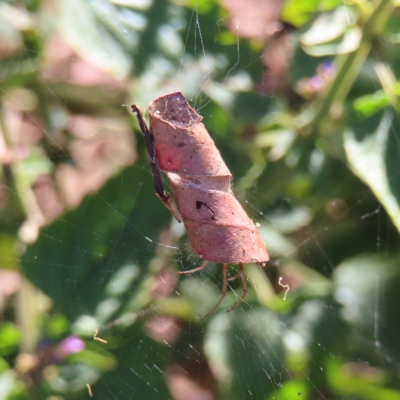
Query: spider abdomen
[218, 228]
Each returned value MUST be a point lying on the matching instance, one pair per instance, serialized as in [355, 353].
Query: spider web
[315, 324]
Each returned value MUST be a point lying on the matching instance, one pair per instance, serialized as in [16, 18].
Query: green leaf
[391, 28]
[7, 384]
[333, 33]
[343, 45]
[95, 358]
[298, 12]
[279, 140]
[310, 282]
[30, 168]
[8, 253]
[56, 326]
[136, 4]
[89, 36]
[10, 337]
[291, 220]
[278, 245]
[372, 151]
[83, 263]
[248, 106]
[248, 344]
[141, 366]
[78, 257]
[353, 289]
[11, 38]
[371, 104]
[326, 28]
[352, 381]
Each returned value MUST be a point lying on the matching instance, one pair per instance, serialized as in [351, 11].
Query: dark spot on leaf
[194, 180]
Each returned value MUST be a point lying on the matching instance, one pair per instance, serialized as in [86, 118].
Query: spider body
[217, 226]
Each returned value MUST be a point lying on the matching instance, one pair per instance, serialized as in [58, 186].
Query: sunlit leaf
[372, 158]
[356, 379]
[371, 104]
[343, 45]
[88, 36]
[300, 12]
[10, 337]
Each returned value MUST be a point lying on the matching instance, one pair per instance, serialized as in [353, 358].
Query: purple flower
[70, 345]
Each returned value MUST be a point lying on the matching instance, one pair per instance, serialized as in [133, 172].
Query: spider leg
[224, 289]
[234, 277]
[191, 271]
[244, 288]
[165, 197]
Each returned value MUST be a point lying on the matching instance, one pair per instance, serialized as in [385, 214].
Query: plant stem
[350, 65]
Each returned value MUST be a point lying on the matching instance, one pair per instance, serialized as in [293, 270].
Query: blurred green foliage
[306, 118]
